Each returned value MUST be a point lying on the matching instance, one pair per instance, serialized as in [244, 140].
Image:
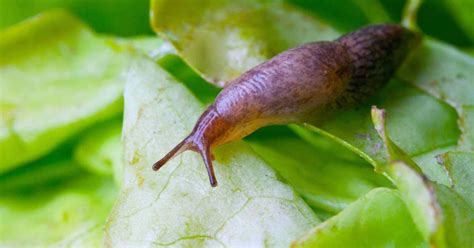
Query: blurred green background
[131, 17]
[118, 17]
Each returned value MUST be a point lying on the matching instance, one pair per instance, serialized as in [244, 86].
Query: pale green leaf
[204, 91]
[150, 46]
[442, 71]
[176, 205]
[460, 167]
[443, 215]
[393, 152]
[57, 78]
[415, 189]
[71, 214]
[466, 123]
[48, 170]
[326, 174]
[378, 219]
[416, 133]
[457, 202]
[119, 17]
[100, 150]
[458, 217]
[221, 39]
[417, 193]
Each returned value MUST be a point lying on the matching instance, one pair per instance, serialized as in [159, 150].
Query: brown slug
[301, 84]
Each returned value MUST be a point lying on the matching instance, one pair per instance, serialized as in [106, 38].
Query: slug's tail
[189, 143]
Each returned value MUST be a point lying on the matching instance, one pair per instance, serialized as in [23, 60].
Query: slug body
[299, 85]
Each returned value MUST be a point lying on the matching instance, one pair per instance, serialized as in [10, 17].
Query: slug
[302, 84]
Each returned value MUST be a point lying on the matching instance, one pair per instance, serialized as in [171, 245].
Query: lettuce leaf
[70, 213]
[430, 106]
[421, 136]
[458, 217]
[53, 168]
[378, 219]
[442, 71]
[457, 201]
[176, 206]
[118, 17]
[466, 123]
[462, 11]
[327, 175]
[221, 39]
[415, 189]
[443, 216]
[44, 103]
[100, 150]
[460, 167]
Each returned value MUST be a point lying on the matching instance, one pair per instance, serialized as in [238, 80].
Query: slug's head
[208, 132]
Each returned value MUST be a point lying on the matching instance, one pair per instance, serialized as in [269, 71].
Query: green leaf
[343, 15]
[461, 11]
[176, 205]
[221, 39]
[378, 219]
[100, 150]
[442, 71]
[421, 136]
[326, 175]
[409, 15]
[415, 189]
[418, 194]
[444, 27]
[466, 122]
[373, 10]
[460, 167]
[67, 214]
[469, 51]
[445, 216]
[457, 202]
[57, 79]
[53, 168]
[392, 150]
[119, 17]
[150, 46]
[205, 92]
[458, 217]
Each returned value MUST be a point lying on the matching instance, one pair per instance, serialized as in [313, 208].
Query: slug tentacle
[209, 131]
[189, 143]
[181, 147]
[207, 158]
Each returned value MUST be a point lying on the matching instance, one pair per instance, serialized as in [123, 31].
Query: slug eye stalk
[209, 126]
[181, 147]
[190, 144]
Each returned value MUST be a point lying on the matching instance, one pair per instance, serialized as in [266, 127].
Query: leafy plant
[395, 176]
